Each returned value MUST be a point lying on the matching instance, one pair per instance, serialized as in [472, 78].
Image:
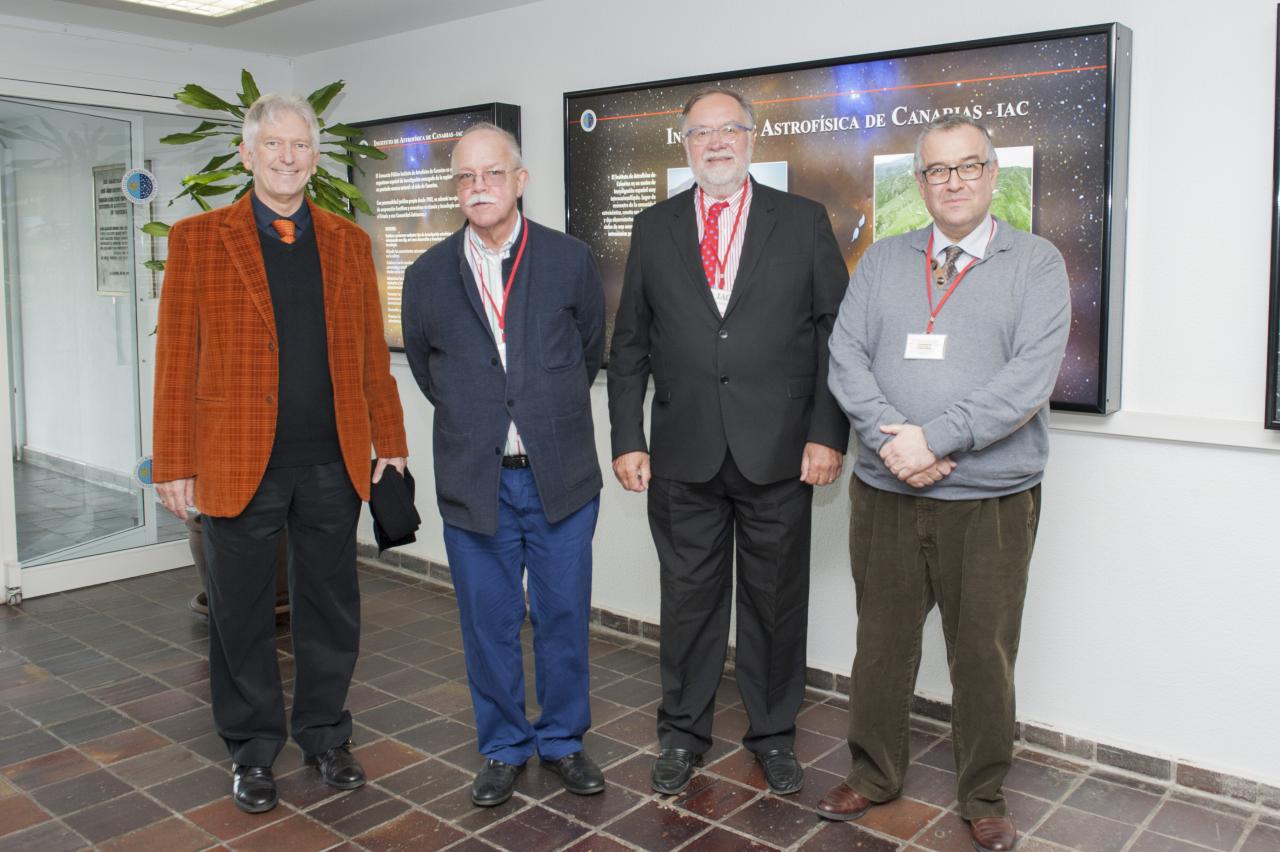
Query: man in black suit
[504, 330]
[730, 295]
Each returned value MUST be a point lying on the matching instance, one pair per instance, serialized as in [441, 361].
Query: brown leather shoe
[843, 803]
[993, 834]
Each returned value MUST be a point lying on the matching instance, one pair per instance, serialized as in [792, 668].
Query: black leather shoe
[253, 788]
[782, 770]
[494, 783]
[578, 772]
[673, 770]
[339, 767]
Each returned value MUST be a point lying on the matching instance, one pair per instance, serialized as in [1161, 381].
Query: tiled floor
[56, 511]
[106, 741]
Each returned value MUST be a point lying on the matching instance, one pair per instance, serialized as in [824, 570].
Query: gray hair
[270, 109]
[507, 136]
[707, 92]
[951, 121]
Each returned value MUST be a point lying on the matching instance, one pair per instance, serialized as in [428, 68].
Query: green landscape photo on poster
[899, 207]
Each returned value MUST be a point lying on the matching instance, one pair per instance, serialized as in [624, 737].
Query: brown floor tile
[774, 820]
[424, 781]
[49, 713]
[419, 652]
[116, 817]
[629, 692]
[1113, 801]
[84, 791]
[193, 789]
[810, 745]
[595, 810]
[456, 807]
[102, 674]
[902, 818]
[1197, 825]
[393, 716]
[948, 833]
[301, 787]
[44, 689]
[171, 835]
[18, 813]
[162, 706]
[657, 826]
[385, 757]
[92, 727]
[12, 723]
[294, 834]
[597, 843]
[1036, 779]
[46, 837]
[816, 785]
[633, 773]
[408, 682]
[1149, 841]
[628, 661]
[122, 745]
[844, 836]
[637, 729]
[446, 698]
[186, 673]
[359, 810]
[125, 691]
[534, 829]
[741, 766]
[186, 726]
[159, 765]
[1263, 838]
[438, 736]
[49, 768]
[713, 798]
[415, 830]
[825, 719]
[605, 751]
[1080, 830]
[225, 821]
[722, 840]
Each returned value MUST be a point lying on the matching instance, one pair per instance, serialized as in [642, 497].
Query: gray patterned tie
[942, 276]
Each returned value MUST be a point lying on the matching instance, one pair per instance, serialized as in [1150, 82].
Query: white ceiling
[284, 28]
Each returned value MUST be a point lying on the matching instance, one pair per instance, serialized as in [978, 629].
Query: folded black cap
[395, 518]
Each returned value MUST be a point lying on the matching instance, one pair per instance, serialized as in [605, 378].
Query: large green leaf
[213, 189]
[217, 161]
[347, 189]
[364, 150]
[201, 98]
[184, 138]
[157, 265]
[320, 98]
[344, 130]
[209, 177]
[156, 229]
[249, 88]
[341, 158]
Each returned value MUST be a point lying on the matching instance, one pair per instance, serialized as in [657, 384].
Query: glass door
[72, 263]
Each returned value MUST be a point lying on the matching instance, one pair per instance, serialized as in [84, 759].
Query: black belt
[515, 462]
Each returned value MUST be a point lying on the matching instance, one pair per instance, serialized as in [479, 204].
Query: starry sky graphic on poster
[412, 197]
[828, 124]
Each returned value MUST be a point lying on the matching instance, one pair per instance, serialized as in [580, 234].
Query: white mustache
[481, 198]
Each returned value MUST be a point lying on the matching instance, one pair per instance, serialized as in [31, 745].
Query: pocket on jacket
[449, 449]
[558, 339]
[576, 445]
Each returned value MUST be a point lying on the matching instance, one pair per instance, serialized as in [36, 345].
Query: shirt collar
[264, 216]
[503, 250]
[733, 200]
[974, 244]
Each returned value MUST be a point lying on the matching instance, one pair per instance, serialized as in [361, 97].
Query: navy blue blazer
[555, 341]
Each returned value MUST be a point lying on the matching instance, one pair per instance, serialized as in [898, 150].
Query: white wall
[1151, 617]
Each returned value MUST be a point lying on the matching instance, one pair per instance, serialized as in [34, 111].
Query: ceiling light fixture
[207, 8]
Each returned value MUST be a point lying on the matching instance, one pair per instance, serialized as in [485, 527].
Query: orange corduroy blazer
[217, 366]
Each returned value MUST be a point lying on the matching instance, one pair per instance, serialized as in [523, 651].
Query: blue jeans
[488, 573]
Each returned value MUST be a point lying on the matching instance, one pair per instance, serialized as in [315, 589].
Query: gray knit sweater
[987, 404]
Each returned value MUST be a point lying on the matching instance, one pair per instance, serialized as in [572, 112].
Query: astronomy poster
[842, 134]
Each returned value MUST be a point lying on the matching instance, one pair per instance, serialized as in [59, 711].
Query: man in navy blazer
[504, 330]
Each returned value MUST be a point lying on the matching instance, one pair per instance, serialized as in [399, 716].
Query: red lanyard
[500, 312]
[721, 274]
[955, 282]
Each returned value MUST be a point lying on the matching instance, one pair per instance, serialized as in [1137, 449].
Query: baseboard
[78, 469]
[1167, 771]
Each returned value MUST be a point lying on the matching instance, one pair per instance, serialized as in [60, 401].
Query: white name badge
[925, 347]
[722, 298]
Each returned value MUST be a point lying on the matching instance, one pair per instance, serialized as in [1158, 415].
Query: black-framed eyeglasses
[942, 174]
[488, 177]
[728, 133]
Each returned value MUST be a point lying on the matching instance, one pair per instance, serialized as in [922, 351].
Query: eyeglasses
[700, 136]
[488, 177]
[942, 174]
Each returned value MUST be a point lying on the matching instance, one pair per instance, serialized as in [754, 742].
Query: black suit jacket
[555, 339]
[753, 381]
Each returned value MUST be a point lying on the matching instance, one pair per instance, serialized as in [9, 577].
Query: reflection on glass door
[71, 284]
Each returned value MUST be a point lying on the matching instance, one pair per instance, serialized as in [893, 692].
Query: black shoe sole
[494, 803]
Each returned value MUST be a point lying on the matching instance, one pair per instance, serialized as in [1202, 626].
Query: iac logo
[588, 120]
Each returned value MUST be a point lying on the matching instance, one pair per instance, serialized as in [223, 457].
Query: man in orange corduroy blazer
[272, 383]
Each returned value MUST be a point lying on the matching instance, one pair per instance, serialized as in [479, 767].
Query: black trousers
[320, 508]
[695, 528]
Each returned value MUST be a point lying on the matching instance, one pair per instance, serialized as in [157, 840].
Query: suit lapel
[761, 218]
[240, 237]
[684, 233]
[329, 245]
[469, 284]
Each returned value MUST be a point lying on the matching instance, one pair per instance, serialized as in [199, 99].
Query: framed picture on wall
[842, 132]
[411, 192]
[1271, 416]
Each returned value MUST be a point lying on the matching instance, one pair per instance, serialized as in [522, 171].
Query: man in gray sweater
[944, 354]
